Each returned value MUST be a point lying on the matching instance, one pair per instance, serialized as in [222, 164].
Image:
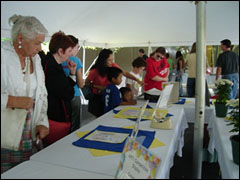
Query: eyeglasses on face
[158, 56]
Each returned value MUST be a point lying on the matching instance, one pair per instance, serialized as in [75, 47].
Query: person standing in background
[191, 81]
[142, 54]
[180, 71]
[171, 67]
[76, 101]
[60, 88]
[228, 66]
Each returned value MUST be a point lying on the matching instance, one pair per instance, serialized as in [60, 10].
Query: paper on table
[98, 153]
[153, 91]
[109, 137]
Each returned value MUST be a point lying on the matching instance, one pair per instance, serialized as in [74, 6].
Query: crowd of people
[56, 77]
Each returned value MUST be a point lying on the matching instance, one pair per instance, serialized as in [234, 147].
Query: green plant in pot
[223, 90]
[234, 120]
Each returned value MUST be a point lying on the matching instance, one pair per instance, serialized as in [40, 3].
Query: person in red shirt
[98, 79]
[157, 70]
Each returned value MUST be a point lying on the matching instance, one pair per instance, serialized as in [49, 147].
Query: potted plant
[234, 120]
[223, 91]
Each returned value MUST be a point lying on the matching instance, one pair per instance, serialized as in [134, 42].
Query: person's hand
[43, 131]
[140, 82]
[24, 102]
[72, 67]
[133, 102]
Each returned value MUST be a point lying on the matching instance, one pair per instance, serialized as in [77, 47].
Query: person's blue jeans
[235, 79]
[180, 83]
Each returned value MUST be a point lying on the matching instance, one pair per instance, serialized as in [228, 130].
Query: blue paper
[181, 101]
[116, 147]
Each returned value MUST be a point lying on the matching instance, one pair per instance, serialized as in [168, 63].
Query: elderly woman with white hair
[17, 55]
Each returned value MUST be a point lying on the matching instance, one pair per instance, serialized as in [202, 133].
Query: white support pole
[200, 89]
[84, 59]
[85, 74]
[113, 56]
[149, 48]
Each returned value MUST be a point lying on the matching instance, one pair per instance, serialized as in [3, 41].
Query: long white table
[219, 140]
[63, 153]
[189, 108]
[40, 170]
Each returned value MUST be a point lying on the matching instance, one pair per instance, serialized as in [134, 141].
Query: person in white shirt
[139, 65]
[27, 35]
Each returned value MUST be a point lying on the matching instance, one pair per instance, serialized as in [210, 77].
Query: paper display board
[137, 162]
[174, 96]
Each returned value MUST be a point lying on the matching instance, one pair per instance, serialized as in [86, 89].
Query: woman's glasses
[161, 57]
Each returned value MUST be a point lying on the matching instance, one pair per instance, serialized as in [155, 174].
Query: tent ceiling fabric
[129, 23]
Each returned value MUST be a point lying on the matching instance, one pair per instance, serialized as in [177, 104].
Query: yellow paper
[188, 101]
[126, 113]
[97, 152]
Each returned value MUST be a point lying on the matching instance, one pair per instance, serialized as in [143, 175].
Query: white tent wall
[129, 23]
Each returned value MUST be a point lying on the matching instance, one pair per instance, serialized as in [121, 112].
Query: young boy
[127, 95]
[111, 95]
[139, 65]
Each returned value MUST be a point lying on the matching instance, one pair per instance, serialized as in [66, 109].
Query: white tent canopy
[129, 23]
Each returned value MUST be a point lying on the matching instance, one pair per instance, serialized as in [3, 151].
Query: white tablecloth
[189, 108]
[40, 170]
[63, 153]
[219, 140]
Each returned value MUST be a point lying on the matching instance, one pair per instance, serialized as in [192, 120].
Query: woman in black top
[60, 88]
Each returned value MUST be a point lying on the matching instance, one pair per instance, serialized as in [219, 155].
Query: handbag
[87, 91]
[57, 130]
[13, 120]
[12, 124]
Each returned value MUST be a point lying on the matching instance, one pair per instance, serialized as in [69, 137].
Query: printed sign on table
[137, 162]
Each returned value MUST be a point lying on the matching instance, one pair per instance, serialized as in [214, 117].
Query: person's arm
[130, 76]
[132, 102]
[20, 102]
[158, 78]
[79, 78]
[88, 82]
[219, 72]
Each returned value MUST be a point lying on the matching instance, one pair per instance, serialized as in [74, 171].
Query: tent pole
[200, 89]
[149, 49]
[84, 59]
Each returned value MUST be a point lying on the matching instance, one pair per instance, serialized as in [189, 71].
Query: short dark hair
[161, 50]
[139, 62]
[60, 40]
[226, 42]
[141, 51]
[113, 72]
[124, 90]
[74, 39]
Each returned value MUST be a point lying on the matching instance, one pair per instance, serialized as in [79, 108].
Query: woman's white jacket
[13, 84]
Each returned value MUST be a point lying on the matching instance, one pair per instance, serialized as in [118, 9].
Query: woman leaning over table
[27, 35]
[98, 79]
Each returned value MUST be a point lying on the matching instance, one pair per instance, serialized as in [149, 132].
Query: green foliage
[234, 114]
